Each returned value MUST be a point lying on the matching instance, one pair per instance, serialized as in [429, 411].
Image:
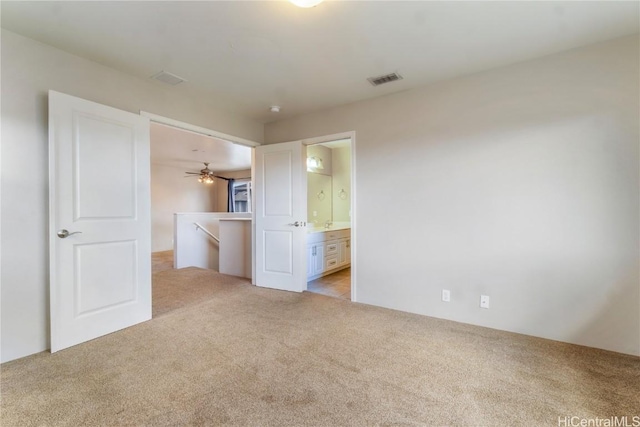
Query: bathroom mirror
[319, 199]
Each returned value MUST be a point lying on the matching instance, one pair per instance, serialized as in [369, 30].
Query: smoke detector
[387, 78]
[275, 109]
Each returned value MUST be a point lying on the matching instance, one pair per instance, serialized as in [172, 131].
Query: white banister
[207, 232]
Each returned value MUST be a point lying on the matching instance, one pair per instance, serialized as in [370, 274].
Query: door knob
[63, 234]
[298, 224]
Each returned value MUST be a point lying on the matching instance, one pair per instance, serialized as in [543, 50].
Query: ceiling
[188, 151]
[244, 56]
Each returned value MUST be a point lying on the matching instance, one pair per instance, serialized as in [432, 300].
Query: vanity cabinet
[315, 259]
[331, 255]
[328, 252]
[344, 252]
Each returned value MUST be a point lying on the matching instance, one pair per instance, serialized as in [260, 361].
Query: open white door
[99, 209]
[280, 216]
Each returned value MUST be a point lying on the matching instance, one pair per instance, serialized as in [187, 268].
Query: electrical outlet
[484, 301]
[446, 295]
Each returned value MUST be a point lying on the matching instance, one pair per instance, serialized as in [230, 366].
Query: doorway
[329, 217]
[178, 159]
[195, 178]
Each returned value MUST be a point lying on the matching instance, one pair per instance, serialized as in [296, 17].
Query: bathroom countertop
[322, 229]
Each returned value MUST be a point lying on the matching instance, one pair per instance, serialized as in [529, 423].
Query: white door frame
[334, 137]
[199, 130]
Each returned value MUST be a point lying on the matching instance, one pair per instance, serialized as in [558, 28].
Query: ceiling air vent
[387, 78]
[168, 78]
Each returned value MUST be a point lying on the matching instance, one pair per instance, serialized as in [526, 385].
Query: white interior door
[280, 216]
[100, 244]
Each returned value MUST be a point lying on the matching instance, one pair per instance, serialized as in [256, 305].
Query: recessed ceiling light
[306, 3]
[275, 109]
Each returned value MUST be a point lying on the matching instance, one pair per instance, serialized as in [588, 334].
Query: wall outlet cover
[446, 295]
[484, 301]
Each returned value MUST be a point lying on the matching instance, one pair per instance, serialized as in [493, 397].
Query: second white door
[280, 216]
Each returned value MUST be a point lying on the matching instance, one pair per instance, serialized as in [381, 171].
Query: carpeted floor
[161, 261]
[175, 289]
[246, 356]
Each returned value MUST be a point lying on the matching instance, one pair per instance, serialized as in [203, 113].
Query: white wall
[520, 183]
[171, 192]
[29, 70]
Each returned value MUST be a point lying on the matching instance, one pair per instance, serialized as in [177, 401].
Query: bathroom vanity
[328, 250]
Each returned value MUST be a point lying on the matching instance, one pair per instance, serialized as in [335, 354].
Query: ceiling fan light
[306, 3]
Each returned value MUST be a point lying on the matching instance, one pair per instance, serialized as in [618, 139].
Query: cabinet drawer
[331, 263]
[337, 234]
[331, 248]
[323, 236]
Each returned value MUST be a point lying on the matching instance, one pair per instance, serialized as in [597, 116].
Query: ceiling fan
[205, 175]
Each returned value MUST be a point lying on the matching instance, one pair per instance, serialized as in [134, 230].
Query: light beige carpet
[247, 356]
[161, 261]
[177, 289]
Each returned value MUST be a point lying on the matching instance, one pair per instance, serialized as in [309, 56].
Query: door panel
[280, 213]
[277, 173]
[105, 161]
[278, 252]
[99, 194]
[98, 284]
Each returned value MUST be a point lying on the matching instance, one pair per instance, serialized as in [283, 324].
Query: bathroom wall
[319, 187]
[319, 200]
[323, 153]
[341, 180]
[334, 181]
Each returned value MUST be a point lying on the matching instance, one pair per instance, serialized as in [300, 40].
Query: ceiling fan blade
[190, 176]
[193, 173]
